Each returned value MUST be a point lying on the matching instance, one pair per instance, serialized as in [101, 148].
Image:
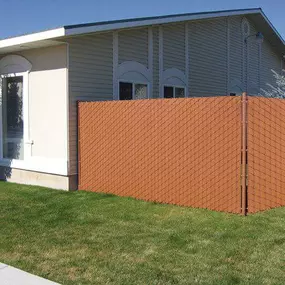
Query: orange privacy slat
[179, 151]
[266, 153]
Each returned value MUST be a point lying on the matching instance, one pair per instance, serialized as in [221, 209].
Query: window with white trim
[134, 81]
[174, 92]
[12, 117]
[14, 111]
[132, 91]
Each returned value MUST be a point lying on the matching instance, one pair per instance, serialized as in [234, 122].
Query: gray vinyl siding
[208, 58]
[155, 62]
[249, 64]
[236, 51]
[216, 49]
[253, 70]
[90, 78]
[133, 46]
[269, 61]
[174, 46]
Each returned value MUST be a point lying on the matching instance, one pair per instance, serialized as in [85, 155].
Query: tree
[277, 91]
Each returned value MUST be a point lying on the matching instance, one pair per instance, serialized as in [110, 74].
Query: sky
[26, 16]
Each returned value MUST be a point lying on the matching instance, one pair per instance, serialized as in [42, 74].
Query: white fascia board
[21, 40]
[147, 22]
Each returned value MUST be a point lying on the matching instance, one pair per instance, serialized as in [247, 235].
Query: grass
[88, 238]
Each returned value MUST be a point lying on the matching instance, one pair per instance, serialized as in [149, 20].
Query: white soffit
[33, 37]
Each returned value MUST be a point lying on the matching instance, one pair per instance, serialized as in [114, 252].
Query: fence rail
[221, 153]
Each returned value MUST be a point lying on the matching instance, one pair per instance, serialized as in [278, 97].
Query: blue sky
[25, 16]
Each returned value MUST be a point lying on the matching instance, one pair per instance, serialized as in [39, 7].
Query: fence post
[78, 144]
[244, 102]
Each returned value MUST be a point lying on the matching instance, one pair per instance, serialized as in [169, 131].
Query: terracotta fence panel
[179, 151]
[266, 153]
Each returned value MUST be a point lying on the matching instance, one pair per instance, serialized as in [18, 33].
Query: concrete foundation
[37, 178]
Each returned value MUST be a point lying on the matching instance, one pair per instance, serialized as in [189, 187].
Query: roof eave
[272, 27]
[71, 31]
[67, 31]
[25, 39]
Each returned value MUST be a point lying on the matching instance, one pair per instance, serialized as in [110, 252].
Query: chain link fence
[220, 153]
[266, 153]
[180, 151]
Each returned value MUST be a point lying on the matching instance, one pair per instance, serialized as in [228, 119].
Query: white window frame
[174, 87]
[174, 77]
[26, 141]
[128, 72]
[133, 87]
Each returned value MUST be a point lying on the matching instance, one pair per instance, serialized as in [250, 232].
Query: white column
[160, 61]
[150, 59]
[115, 65]
[187, 72]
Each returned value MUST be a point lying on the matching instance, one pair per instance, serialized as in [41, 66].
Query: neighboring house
[44, 74]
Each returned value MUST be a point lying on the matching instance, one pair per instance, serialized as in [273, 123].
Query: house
[44, 74]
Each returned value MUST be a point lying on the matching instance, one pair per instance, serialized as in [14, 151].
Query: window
[130, 91]
[126, 91]
[15, 145]
[12, 118]
[174, 92]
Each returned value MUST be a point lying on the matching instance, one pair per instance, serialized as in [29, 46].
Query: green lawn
[88, 238]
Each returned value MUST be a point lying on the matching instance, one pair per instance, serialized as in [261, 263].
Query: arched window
[14, 64]
[14, 134]
[134, 81]
[174, 83]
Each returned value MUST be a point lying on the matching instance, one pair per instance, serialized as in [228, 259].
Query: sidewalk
[12, 276]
